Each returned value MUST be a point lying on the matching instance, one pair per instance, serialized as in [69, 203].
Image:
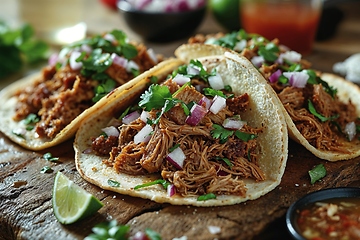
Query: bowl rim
[319, 195]
[125, 6]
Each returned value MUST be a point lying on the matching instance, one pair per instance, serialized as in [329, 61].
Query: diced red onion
[291, 56]
[53, 59]
[72, 61]
[171, 190]
[138, 236]
[216, 82]
[182, 6]
[297, 79]
[176, 158]
[218, 104]
[220, 172]
[111, 131]
[143, 135]
[118, 60]
[234, 122]
[109, 37]
[197, 113]
[350, 130]
[87, 150]
[141, 4]
[275, 76]
[86, 48]
[257, 61]
[181, 79]
[144, 116]
[131, 117]
[205, 102]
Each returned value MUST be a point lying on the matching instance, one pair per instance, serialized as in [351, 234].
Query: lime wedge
[70, 202]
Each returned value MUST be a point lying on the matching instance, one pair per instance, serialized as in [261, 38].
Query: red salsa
[331, 219]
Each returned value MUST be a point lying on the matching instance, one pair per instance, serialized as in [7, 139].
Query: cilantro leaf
[113, 183]
[48, 156]
[245, 136]
[155, 97]
[322, 118]
[206, 197]
[221, 133]
[317, 173]
[163, 182]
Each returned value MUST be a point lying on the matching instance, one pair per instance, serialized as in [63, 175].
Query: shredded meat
[59, 96]
[204, 171]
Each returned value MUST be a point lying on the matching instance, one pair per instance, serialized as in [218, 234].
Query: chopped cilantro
[163, 182]
[225, 160]
[109, 230]
[245, 136]
[46, 169]
[30, 121]
[113, 183]
[155, 97]
[269, 52]
[206, 197]
[48, 156]
[221, 133]
[317, 173]
[322, 118]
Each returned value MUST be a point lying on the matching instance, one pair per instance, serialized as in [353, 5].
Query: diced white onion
[197, 113]
[152, 55]
[233, 122]
[109, 37]
[144, 116]
[181, 79]
[72, 61]
[275, 76]
[132, 65]
[131, 117]
[53, 59]
[214, 229]
[350, 130]
[216, 82]
[176, 158]
[218, 104]
[239, 46]
[111, 131]
[86, 48]
[291, 56]
[192, 70]
[257, 61]
[143, 135]
[297, 79]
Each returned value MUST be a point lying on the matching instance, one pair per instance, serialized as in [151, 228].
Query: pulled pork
[204, 170]
[59, 96]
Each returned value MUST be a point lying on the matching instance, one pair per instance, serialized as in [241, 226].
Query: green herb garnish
[245, 136]
[113, 183]
[225, 160]
[109, 230]
[46, 169]
[48, 156]
[206, 197]
[317, 173]
[322, 118]
[163, 182]
[221, 133]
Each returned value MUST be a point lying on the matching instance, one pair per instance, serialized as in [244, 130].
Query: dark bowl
[161, 26]
[321, 195]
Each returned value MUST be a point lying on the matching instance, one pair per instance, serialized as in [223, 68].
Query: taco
[322, 110]
[209, 134]
[45, 109]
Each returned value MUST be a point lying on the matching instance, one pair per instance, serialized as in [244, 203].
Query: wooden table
[25, 193]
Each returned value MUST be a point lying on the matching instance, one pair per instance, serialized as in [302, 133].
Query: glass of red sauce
[332, 213]
[293, 22]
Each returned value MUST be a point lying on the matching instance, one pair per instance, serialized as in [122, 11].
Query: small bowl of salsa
[332, 213]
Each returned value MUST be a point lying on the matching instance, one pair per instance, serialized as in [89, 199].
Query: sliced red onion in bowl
[297, 79]
[72, 61]
[218, 104]
[171, 190]
[197, 113]
[275, 76]
[111, 131]
[233, 122]
[143, 135]
[350, 130]
[131, 117]
[181, 79]
[216, 82]
[176, 158]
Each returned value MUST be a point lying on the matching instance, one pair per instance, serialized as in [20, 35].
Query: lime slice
[70, 202]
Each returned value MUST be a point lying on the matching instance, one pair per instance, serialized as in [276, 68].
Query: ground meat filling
[59, 96]
[204, 169]
[327, 135]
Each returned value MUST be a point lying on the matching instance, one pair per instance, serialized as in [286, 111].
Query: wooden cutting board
[26, 211]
